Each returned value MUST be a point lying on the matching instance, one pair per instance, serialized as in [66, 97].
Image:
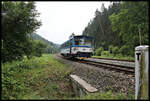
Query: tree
[18, 20]
[39, 47]
[100, 27]
[132, 17]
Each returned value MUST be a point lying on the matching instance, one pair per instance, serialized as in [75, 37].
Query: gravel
[102, 79]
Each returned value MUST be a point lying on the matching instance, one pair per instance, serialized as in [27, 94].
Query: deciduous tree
[18, 20]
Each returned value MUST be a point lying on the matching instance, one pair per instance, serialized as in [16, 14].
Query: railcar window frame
[78, 39]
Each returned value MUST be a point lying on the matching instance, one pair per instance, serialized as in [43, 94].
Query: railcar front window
[88, 42]
[79, 42]
[84, 41]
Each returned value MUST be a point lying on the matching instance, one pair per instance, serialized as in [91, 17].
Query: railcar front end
[82, 46]
[78, 46]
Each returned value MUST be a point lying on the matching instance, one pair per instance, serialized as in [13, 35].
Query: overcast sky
[60, 19]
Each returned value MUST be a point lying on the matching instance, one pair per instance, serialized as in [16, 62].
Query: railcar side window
[88, 42]
[83, 41]
[79, 42]
[76, 41]
[67, 43]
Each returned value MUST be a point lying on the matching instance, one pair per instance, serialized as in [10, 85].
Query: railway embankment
[102, 79]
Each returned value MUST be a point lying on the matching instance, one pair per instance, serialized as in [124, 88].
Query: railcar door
[70, 46]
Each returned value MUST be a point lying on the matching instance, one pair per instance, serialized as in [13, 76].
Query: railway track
[114, 59]
[119, 68]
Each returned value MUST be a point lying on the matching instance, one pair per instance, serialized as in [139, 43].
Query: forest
[120, 28]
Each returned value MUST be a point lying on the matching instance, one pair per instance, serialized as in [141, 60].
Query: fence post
[142, 72]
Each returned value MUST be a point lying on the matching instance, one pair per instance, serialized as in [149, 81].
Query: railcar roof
[77, 36]
[83, 36]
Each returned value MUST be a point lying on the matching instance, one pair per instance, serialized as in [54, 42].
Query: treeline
[51, 47]
[18, 23]
[119, 28]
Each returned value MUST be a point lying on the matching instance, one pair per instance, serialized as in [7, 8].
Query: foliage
[117, 56]
[100, 27]
[125, 50]
[51, 47]
[106, 53]
[36, 78]
[119, 26]
[99, 51]
[115, 50]
[110, 48]
[18, 21]
[38, 48]
[132, 18]
[106, 96]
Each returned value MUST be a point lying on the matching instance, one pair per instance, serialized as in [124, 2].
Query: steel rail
[113, 59]
[126, 69]
[109, 66]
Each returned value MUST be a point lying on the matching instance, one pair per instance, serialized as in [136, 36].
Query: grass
[105, 96]
[38, 78]
[101, 95]
[118, 56]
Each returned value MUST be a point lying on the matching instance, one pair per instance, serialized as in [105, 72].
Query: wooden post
[142, 72]
[140, 36]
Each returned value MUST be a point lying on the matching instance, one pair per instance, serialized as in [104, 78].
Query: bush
[99, 51]
[106, 53]
[115, 50]
[38, 48]
[110, 48]
[124, 50]
[11, 85]
[119, 55]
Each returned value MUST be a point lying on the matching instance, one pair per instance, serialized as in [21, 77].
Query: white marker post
[142, 72]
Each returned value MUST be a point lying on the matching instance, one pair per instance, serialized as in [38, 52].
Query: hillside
[51, 47]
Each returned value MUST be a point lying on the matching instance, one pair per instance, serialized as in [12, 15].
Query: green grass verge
[38, 78]
[118, 56]
[108, 96]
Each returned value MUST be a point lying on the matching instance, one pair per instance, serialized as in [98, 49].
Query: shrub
[99, 51]
[127, 51]
[115, 50]
[106, 53]
[124, 50]
[119, 55]
[110, 48]
[10, 85]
